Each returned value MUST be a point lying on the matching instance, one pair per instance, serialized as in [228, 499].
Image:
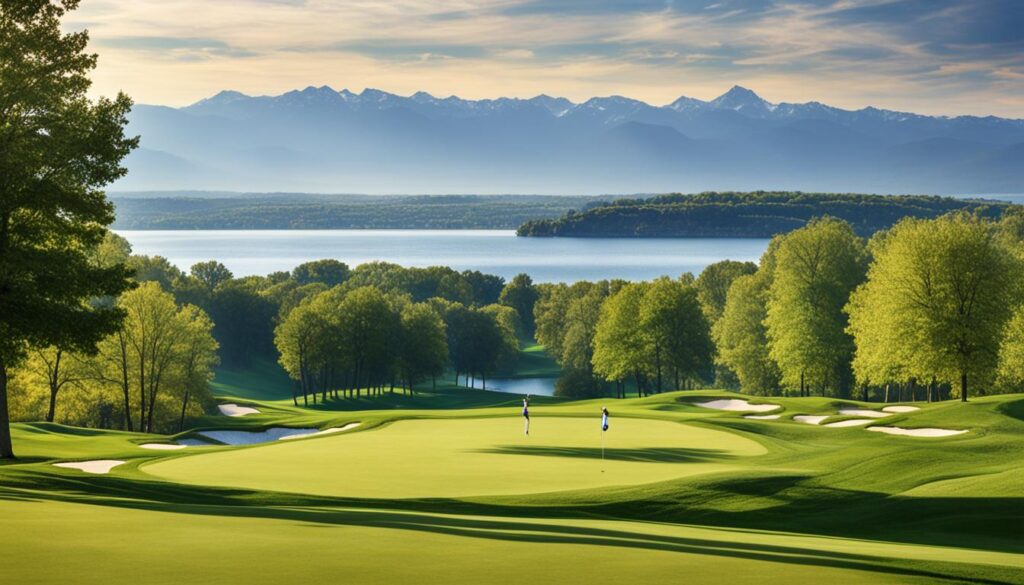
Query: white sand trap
[231, 409]
[917, 432]
[853, 422]
[738, 405]
[162, 446]
[763, 416]
[97, 466]
[809, 420]
[862, 412]
[900, 408]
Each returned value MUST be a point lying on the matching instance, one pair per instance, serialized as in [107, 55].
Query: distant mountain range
[322, 140]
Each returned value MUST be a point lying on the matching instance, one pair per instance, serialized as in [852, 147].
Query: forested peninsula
[760, 214]
[184, 210]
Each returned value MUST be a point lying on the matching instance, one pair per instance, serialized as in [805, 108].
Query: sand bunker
[900, 408]
[810, 420]
[763, 416]
[853, 422]
[862, 412]
[235, 410]
[737, 405]
[162, 446]
[99, 466]
[272, 434]
[917, 432]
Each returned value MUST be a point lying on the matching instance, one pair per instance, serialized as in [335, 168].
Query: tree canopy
[59, 149]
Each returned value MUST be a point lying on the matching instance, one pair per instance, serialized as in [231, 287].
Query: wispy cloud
[937, 56]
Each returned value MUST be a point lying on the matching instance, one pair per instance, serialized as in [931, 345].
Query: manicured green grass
[534, 362]
[469, 457]
[443, 487]
[263, 380]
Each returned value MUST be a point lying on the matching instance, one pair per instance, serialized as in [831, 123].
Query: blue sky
[929, 56]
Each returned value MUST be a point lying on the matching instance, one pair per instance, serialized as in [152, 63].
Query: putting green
[469, 457]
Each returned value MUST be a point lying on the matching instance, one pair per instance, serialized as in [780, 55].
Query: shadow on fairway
[550, 533]
[422, 515]
[651, 455]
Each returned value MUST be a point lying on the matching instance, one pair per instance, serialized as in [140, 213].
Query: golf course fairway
[445, 487]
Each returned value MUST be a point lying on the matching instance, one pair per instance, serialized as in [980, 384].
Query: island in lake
[760, 214]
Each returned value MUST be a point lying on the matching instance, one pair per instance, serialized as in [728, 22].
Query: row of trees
[652, 334]
[927, 307]
[246, 310]
[344, 339]
[760, 214]
[149, 374]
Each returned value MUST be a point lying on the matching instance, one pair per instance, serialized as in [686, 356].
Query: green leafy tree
[211, 273]
[742, 338]
[521, 295]
[298, 339]
[581, 318]
[57, 368]
[155, 268]
[714, 282]
[197, 357]
[621, 349]
[328, 272]
[712, 289]
[486, 288]
[58, 151]
[1011, 353]
[424, 350]
[816, 269]
[945, 290]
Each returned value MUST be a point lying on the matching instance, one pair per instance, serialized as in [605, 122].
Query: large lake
[499, 252]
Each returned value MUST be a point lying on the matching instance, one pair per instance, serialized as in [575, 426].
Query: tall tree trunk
[963, 386]
[886, 399]
[54, 381]
[142, 392]
[802, 386]
[657, 366]
[125, 384]
[184, 407]
[6, 450]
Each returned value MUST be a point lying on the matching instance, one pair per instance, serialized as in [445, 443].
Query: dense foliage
[308, 211]
[927, 309]
[58, 149]
[759, 214]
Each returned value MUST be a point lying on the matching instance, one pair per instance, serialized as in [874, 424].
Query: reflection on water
[532, 386]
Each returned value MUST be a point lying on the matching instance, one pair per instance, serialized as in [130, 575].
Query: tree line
[149, 374]
[928, 309]
[760, 214]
